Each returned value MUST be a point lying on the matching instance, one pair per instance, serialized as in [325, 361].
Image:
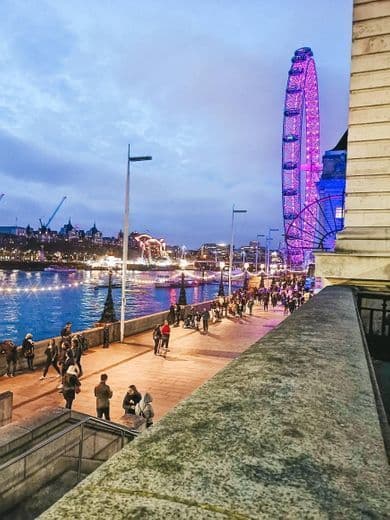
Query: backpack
[139, 411]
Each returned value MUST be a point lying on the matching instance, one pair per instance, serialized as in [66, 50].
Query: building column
[362, 253]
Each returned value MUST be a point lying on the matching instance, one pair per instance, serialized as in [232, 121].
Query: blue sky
[197, 84]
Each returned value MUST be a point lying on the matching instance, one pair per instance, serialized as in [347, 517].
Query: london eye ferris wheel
[301, 166]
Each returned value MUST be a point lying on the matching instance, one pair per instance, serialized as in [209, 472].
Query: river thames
[42, 302]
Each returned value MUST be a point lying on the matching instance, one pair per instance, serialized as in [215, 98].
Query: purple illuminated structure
[301, 165]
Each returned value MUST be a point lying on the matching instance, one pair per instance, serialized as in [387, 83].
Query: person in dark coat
[71, 386]
[51, 358]
[131, 399]
[157, 338]
[177, 314]
[266, 301]
[66, 330]
[9, 348]
[68, 361]
[106, 336]
[171, 315]
[76, 352]
[103, 394]
[28, 349]
[206, 319]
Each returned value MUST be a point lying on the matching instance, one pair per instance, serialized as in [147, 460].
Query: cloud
[198, 85]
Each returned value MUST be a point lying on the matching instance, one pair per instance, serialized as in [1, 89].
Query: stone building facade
[362, 254]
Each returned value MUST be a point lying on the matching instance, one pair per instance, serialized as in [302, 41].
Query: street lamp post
[257, 251]
[234, 211]
[268, 241]
[125, 247]
[221, 290]
[245, 284]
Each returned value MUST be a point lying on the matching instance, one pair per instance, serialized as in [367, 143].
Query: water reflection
[43, 312]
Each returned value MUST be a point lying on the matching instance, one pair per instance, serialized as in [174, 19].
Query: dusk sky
[197, 84]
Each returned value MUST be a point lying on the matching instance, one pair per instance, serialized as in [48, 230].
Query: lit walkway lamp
[257, 251]
[234, 211]
[268, 241]
[108, 315]
[126, 239]
[246, 277]
[221, 290]
[182, 294]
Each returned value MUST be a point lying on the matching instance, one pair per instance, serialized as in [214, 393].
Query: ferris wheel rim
[301, 105]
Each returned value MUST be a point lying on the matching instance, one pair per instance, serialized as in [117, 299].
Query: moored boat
[60, 269]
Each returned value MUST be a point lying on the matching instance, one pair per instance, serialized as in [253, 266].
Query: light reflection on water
[44, 313]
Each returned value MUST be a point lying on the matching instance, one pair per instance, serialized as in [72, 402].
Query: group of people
[133, 402]
[10, 350]
[65, 358]
[60, 357]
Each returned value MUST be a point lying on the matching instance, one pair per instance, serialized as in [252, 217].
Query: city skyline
[182, 83]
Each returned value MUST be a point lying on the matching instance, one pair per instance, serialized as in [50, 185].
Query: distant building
[332, 185]
[94, 234]
[69, 231]
[13, 230]
[212, 251]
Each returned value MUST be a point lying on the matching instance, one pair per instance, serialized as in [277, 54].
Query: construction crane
[44, 227]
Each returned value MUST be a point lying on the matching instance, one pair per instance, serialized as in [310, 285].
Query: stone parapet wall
[290, 429]
[6, 399]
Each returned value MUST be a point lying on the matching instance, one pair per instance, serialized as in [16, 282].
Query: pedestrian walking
[198, 317]
[71, 386]
[51, 353]
[131, 399]
[144, 409]
[177, 314]
[171, 315]
[103, 394]
[28, 349]
[9, 348]
[165, 334]
[83, 342]
[66, 330]
[76, 353]
[157, 338]
[68, 361]
[205, 319]
[106, 336]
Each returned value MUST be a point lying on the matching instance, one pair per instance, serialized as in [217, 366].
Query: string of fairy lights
[34, 289]
[58, 287]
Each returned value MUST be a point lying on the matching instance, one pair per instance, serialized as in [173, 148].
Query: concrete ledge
[288, 430]
[6, 399]
[353, 269]
[15, 436]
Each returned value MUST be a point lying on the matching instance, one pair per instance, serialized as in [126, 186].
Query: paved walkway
[193, 359]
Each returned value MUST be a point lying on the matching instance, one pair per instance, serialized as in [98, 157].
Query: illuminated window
[339, 212]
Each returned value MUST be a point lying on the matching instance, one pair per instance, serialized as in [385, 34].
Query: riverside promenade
[193, 359]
